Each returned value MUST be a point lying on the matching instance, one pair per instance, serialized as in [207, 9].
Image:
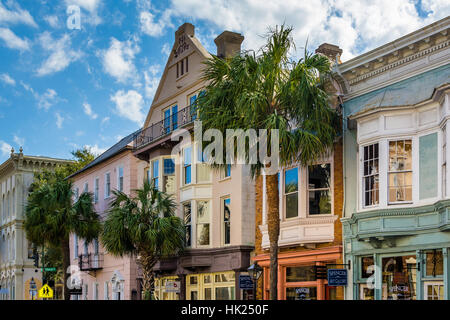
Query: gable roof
[198, 47]
[111, 152]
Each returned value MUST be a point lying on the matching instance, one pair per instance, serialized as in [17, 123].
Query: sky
[66, 82]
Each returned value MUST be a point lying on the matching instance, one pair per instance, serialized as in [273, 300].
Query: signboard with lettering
[337, 277]
[245, 282]
[173, 286]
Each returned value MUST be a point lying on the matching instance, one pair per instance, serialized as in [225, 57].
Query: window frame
[187, 166]
[362, 179]
[190, 223]
[119, 188]
[197, 223]
[107, 193]
[96, 189]
[223, 222]
[284, 194]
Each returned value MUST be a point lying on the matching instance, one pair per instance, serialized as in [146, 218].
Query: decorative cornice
[400, 62]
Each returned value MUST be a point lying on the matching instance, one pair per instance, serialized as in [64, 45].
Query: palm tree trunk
[273, 223]
[65, 249]
[147, 263]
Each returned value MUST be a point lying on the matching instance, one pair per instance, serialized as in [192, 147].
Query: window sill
[225, 179]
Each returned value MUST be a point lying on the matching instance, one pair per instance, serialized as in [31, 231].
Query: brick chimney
[332, 51]
[228, 43]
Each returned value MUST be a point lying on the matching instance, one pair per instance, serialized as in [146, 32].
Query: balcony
[164, 127]
[90, 262]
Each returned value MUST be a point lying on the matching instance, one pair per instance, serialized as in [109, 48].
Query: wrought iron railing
[165, 127]
[90, 261]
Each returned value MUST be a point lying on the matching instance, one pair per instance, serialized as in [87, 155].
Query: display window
[211, 286]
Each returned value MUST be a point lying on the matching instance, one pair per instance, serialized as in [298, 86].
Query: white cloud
[19, 141]
[88, 111]
[148, 22]
[118, 59]
[12, 41]
[59, 120]
[104, 120]
[356, 26]
[16, 15]
[61, 54]
[129, 105]
[53, 21]
[95, 149]
[165, 50]
[5, 148]
[91, 6]
[7, 79]
[47, 99]
[151, 77]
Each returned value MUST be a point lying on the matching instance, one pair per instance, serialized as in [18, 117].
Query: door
[434, 290]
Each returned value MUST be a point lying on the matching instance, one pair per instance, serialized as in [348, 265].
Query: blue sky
[61, 88]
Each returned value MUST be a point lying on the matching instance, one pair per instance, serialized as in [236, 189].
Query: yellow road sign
[46, 292]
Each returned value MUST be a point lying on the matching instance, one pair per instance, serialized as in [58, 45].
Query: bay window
[291, 192]
[371, 175]
[319, 189]
[400, 171]
[203, 222]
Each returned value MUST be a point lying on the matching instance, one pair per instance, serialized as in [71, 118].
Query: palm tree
[270, 90]
[52, 215]
[144, 225]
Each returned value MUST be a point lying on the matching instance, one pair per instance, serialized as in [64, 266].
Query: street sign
[46, 292]
[48, 269]
[173, 286]
[245, 282]
[337, 277]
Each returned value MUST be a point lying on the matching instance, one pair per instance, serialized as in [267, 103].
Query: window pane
[400, 186]
[292, 205]
[319, 202]
[208, 294]
[291, 180]
[203, 219]
[203, 234]
[227, 220]
[366, 262]
[303, 273]
[400, 155]
[169, 184]
[187, 175]
[301, 293]
[169, 166]
[226, 293]
[187, 222]
[319, 176]
[187, 156]
[228, 170]
[399, 278]
[203, 172]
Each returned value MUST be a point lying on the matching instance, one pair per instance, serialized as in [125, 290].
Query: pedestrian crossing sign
[46, 292]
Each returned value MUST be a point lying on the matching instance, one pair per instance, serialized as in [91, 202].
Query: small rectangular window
[155, 173]
[107, 185]
[226, 221]
[187, 165]
[203, 222]
[120, 179]
[371, 175]
[400, 171]
[182, 67]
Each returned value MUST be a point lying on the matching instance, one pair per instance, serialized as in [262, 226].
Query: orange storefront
[296, 274]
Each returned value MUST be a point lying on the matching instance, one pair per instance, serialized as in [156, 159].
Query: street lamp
[255, 272]
[32, 288]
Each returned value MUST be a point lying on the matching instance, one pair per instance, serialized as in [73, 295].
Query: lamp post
[255, 272]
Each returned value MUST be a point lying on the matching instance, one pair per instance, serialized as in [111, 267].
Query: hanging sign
[337, 277]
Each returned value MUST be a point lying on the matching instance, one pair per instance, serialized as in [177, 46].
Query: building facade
[310, 201]
[216, 206]
[103, 276]
[396, 220]
[17, 268]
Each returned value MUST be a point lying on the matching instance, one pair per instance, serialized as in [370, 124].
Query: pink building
[103, 276]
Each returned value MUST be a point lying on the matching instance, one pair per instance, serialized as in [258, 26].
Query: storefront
[297, 278]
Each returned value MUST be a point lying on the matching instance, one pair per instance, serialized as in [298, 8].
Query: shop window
[399, 278]
[367, 269]
[434, 263]
[301, 293]
[303, 273]
[187, 222]
[291, 192]
[400, 171]
[319, 189]
[366, 293]
[208, 294]
[434, 291]
[169, 175]
[371, 175]
[224, 293]
[203, 222]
